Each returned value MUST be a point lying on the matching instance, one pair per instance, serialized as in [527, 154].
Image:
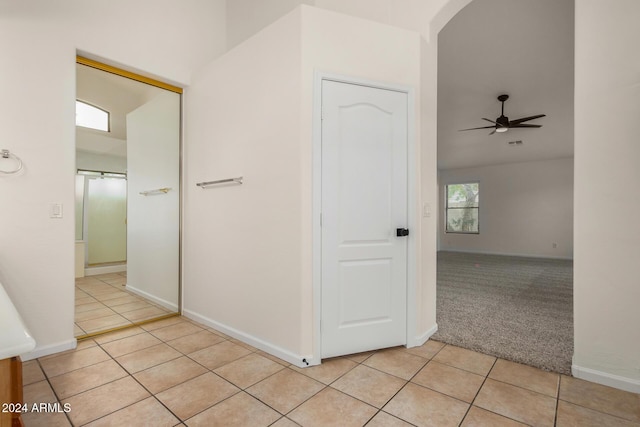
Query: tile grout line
[93, 388]
[378, 410]
[512, 385]
[436, 391]
[362, 364]
[239, 388]
[187, 356]
[145, 388]
[599, 411]
[90, 365]
[58, 400]
[555, 415]
[478, 392]
[381, 409]
[324, 386]
[331, 384]
[130, 374]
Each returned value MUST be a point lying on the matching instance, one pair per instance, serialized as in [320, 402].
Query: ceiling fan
[502, 123]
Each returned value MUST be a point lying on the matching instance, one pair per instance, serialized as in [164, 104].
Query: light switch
[426, 210]
[55, 210]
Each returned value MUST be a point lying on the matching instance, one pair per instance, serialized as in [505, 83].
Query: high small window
[462, 208]
[92, 117]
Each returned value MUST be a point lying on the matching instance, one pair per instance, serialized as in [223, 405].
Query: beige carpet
[516, 308]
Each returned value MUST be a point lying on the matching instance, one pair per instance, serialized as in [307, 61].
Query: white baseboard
[50, 349]
[94, 271]
[604, 378]
[166, 304]
[295, 359]
[472, 251]
[425, 337]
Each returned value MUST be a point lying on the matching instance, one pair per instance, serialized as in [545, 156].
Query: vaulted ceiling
[116, 94]
[523, 48]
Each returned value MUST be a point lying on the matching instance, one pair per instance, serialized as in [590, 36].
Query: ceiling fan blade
[494, 131]
[520, 125]
[526, 119]
[495, 123]
[484, 127]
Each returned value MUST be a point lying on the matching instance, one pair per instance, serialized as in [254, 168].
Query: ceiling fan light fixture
[502, 123]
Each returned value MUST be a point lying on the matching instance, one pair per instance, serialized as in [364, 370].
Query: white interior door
[364, 202]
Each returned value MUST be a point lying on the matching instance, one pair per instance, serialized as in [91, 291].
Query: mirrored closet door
[127, 199]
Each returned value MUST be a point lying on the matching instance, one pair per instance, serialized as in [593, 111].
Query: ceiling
[116, 94]
[523, 48]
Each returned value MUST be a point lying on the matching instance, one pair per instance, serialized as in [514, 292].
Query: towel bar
[237, 180]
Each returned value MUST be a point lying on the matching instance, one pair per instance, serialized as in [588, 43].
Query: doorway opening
[505, 172]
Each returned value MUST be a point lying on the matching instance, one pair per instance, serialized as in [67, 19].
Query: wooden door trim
[128, 74]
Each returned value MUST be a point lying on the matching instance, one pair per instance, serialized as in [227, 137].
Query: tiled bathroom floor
[177, 372]
[102, 303]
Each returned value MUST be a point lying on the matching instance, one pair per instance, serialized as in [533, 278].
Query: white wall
[524, 209]
[246, 17]
[413, 15]
[242, 258]
[604, 341]
[38, 41]
[607, 239]
[364, 49]
[37, 32]
[248, 248]
[428, 176]
[427, 18]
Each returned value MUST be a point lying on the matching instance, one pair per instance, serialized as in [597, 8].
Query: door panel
[364, 200]
[371, 278]
[373, 169]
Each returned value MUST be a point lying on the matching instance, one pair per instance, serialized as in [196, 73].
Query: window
[92, 117]
[462, 208]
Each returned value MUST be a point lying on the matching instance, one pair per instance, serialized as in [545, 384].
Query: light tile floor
[177, 372]
[102, 303]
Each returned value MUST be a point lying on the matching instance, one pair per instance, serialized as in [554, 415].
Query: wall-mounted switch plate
[426, 210]
[55, 210]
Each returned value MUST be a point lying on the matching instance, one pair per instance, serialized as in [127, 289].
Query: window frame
[108, 113]
[447, 208]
